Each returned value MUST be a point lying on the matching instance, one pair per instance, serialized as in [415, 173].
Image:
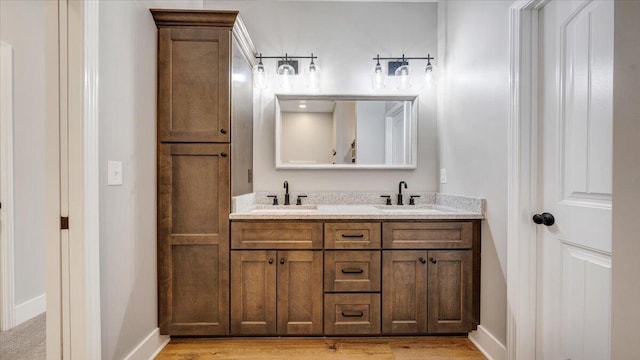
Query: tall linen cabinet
[205, 122]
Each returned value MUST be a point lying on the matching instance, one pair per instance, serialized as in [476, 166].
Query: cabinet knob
[271, 261]
[282, 261]
[433, 260]
[223, 154]
[422, 260]
[223, 131]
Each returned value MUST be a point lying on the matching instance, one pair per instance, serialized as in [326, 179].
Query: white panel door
[575, 161]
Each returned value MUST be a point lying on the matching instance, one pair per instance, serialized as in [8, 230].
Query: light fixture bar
[287, 56]
[398, 58]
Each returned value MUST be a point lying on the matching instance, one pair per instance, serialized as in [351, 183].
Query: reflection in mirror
[333, 132]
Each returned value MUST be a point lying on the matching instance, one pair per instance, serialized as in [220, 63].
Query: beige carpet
[25, 341]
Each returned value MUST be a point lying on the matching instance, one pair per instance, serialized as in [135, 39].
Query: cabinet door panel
[427, 235]
[300, 293]
[193, 239]
[404, 292]
[450, 291]
[276, 235]
[193, 85]
[253, 292]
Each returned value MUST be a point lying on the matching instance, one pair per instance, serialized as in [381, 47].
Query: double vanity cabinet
[354, 277]
[220, 275]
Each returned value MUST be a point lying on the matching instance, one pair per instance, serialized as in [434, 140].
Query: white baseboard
[30, 309]
[148, 348]
[488, 344]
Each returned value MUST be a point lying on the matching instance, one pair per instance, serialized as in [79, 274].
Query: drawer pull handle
[352, 314]
[271, 261]
[352, 235]
[422, 260]
[282, 261]
[352, 271]
[433, 260]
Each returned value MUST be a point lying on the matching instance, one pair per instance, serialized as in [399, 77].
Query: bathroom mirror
[346, 132]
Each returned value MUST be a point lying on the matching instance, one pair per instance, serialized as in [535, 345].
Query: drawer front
[427, 235]
[276, 235]
[352, 314]
[352, 271]
[352, 235]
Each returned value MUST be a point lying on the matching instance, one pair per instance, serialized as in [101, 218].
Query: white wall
[127, 102]
[22, 26]
[473, 123]
[626, 182]
[345, 36]
[307, 137]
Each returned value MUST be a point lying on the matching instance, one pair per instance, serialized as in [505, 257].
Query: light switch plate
[114, 173]
[443, 175]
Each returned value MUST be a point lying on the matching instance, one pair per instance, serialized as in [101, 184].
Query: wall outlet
[443, 175]
[114, 173]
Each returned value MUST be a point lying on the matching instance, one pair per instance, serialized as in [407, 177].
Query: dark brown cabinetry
[430, 289]
[194, 170]
[276, 292]
[275, 281]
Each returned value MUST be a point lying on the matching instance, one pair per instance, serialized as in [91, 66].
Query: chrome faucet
[400, 191]
[286, 193]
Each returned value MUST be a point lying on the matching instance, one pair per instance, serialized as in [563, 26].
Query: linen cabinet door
[404, 292]
[450, 291]
[253, 292]
[193, 239]
[193, 84]
[300, 310]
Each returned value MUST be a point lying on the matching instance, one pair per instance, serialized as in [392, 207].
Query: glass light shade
[377, 78]
[259, 77]
[314, 76]
[402, 77]
[429, 76]
[286, 73]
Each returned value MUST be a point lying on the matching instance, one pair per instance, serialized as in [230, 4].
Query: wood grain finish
[299, 293]
[352, 271]
[194, 18]
[352, 235]
[193, 85]
[450, 286]
[253, 292]
[423, 348]
[404, 292]
[276, 235]
[427, 235]
[193, 233]
[352, 314]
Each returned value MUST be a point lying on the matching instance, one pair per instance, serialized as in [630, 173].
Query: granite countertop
[362, 206]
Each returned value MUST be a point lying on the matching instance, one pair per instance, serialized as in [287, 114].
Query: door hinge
[64, 223]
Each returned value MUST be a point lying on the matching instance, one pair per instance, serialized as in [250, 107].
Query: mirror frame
[414, 131]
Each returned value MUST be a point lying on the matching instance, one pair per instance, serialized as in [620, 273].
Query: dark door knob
[545, 218]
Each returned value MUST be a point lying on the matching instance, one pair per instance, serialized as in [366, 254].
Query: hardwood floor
[429, 348]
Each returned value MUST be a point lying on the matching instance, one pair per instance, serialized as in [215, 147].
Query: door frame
[7, 289]
[72, 145]
[522, 184]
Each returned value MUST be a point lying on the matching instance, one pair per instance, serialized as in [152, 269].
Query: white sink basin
[284, 208]
[404, 209]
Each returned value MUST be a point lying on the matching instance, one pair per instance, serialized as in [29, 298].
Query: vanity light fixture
[259, 75]
[377, 77]
[399, 68]
[286, 71]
